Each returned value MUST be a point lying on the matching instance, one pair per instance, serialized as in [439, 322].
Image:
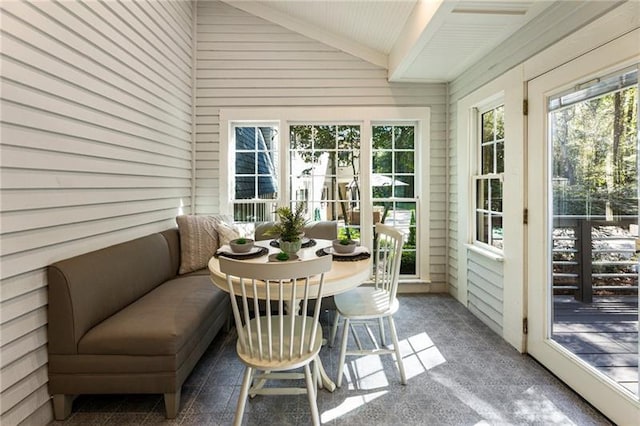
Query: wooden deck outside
[604, 333]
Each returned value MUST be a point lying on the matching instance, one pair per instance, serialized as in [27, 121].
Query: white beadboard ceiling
[416, 40]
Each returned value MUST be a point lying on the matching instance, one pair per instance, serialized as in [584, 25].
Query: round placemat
[360, 256]
[259, 253]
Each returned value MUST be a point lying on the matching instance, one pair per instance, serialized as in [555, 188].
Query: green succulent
[282, 256]
[345, 241]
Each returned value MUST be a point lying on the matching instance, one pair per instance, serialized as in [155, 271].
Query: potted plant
[290, 228]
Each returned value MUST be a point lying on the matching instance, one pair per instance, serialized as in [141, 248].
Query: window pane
[403, 186]
[300, 137]
[487, 126]
[500, 157]
[245, 163]
[382, 162]
[496, 195]
[382, 137]
[325, 137]
[382, 191]
[496, 231]
[500, 122]
[482, 194]
[404, 161]
[408, 262]
[482, 226]
[404, 137]
[349, 138]
[487, 159]
[245, 138]
[245, 187]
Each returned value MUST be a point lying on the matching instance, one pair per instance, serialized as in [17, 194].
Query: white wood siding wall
[245, 61]
[560, 20]
[96, 149]
[484, 292]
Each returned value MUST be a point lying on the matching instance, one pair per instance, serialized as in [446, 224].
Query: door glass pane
[594, 172]
[393, 181]
[325, 174]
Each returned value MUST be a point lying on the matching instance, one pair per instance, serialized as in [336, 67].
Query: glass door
[583, 208]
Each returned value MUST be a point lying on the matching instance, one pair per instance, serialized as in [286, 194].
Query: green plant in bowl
[241, 245]
[282, 256]
[344, 246]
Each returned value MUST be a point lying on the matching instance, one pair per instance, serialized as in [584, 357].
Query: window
[325, 172]
[357, 166]
[489, 177]
[393, 184]
[255, 174]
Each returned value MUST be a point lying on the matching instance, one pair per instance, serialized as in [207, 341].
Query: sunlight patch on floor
[367, 372]
[419, 354]
[349, 404]
[483, 408]
[535, 406]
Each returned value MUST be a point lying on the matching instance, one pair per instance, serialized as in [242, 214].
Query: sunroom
[500, 137]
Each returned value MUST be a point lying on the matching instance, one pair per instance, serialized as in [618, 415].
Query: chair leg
[383, 339]
[311, 394]
[316, 372]
[343, 351]
[334, 329]
[242, 399]
[396, 347]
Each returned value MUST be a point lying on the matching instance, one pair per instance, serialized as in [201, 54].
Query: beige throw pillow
[198, 241]
[226, 232]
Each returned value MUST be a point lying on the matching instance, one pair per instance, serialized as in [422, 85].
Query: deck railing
[593, 255]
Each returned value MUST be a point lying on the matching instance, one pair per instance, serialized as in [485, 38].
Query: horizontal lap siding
[96, 150]
[485, 282]
[245, 61]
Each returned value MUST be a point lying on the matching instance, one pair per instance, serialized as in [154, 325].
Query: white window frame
[364, 116]
[232, 166]
[478, 175]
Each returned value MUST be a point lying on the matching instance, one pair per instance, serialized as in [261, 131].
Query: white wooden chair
[366, 303]
[270, 343]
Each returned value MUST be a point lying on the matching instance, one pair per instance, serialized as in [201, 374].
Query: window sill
[496, 257]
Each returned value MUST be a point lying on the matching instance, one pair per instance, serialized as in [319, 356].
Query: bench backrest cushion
[86, 289]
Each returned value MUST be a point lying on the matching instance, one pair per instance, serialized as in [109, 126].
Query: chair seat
[264, 363]
[365, 303]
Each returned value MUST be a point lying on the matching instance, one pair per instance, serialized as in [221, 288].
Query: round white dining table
[343, 276]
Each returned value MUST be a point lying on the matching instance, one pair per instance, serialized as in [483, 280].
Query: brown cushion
[159, 323]
[198, 241]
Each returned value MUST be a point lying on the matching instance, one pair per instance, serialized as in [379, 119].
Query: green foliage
[408, 263]
[282, 256]
[241, 241]
[595, 158]
[345, 241]
[353, 232]
[291, 223]
[412, 230]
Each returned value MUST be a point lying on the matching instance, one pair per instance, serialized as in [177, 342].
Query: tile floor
[459, 373]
